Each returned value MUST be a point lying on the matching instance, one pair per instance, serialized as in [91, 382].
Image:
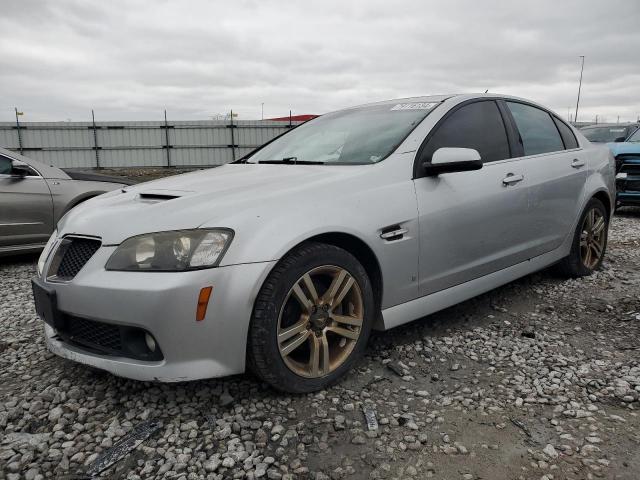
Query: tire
[278, 311]
[575, 264]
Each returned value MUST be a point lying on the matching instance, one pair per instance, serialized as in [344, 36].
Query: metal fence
[139, 144]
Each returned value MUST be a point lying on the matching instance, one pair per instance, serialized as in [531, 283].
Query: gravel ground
[539, 379]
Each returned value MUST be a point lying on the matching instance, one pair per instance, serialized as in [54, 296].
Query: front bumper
[164, 304]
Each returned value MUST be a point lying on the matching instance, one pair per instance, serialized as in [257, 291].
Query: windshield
[604, 134]
[350, 137]
[635, 138]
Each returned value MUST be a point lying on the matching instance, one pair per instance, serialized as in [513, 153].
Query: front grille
[75, 255]
[96, 334]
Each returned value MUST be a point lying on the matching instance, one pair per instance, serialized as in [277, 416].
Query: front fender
[267, 232]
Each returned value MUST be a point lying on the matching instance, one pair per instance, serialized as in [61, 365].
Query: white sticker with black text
[415, 106]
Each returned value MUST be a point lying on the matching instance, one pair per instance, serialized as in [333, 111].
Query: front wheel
[589, 242]
[311, 320]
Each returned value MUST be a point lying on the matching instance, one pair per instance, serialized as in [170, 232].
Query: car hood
[619, 148]
[206, 197]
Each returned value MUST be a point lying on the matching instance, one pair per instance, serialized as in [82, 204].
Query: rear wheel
[589, 242]
[311, 320]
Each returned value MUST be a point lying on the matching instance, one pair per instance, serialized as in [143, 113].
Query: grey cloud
[132, 59]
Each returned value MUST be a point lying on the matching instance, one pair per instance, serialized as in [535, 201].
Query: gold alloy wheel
[320, 321]
[592, 238]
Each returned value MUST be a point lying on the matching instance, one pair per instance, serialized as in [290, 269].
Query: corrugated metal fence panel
[64, 158]
[139, 144]
[52, 137]
[8, 138]
[130, 137]
[139, 157]
[200, 156]
[199, 136]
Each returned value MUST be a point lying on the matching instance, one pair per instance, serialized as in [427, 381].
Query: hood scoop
[154, 196]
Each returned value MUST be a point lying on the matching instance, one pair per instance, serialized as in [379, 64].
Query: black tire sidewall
[264, 322]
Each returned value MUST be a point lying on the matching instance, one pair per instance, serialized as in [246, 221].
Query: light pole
[575, 118]
[262, 108]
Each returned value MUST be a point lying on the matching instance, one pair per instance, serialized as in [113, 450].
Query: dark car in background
[606, 133]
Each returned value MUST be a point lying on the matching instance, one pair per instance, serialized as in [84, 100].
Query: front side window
[537, 130]
[351, 137]
[477, 125]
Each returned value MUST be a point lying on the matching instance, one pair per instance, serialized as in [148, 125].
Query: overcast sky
[132, 59]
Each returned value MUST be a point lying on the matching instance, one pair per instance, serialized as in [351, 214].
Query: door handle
[512, 179]
[577, 163]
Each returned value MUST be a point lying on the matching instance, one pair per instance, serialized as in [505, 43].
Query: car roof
[458, 97]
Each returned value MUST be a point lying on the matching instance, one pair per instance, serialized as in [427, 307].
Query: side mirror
[620, 139]
[20, 169]
[449, 160]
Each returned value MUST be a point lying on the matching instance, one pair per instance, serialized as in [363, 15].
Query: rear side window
[567, 135]
[537, 130]
[477, 125]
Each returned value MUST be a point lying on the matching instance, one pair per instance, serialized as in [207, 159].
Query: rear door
[556, 171]
[26, 213]
[471, 223]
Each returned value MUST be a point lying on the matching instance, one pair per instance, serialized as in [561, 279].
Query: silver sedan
[34, 196]
[284, 261]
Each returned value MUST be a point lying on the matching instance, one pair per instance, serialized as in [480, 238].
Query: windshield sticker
[415, 106]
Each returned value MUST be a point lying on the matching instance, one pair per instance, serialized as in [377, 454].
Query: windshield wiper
[293, 161]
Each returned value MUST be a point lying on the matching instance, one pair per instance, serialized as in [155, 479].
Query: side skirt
[423, 306]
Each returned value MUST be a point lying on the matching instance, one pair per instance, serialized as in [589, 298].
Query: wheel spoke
[597, 249]
[302, 298]
[286, 333]
[587, 257]
[344, 332]
[311, 288]
[333, 288]
[295, 343]
[319, 361]
[343, 291]
[348, 320]
[590, 219]
[598, 227]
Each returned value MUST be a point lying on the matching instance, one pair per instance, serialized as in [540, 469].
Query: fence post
[233, 139]
[166, 138]
[95, 140]
[18, 127]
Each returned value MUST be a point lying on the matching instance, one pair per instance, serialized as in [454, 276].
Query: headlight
[172, 251]
[47, 250]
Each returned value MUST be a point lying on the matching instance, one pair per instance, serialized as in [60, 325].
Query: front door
[26, 208]
[472, 223]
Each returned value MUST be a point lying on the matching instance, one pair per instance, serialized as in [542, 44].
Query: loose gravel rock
[539, 379]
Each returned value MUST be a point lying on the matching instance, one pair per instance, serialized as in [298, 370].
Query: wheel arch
[359, 249]
[604, 197]
[79, 199]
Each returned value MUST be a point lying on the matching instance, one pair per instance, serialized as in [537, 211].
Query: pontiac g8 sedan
[284, 261]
